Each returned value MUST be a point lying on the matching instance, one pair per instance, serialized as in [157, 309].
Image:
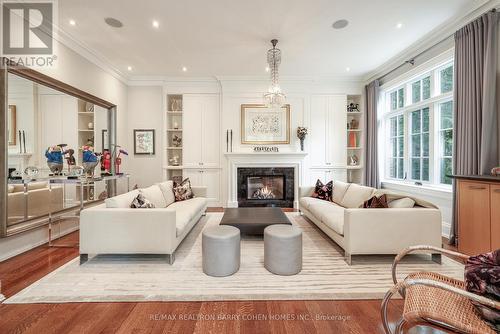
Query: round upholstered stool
[221, 250]
[283, 249]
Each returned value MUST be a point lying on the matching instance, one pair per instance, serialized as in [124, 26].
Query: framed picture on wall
[144, 141]
[263, 125]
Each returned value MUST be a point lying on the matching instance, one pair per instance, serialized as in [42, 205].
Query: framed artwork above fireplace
[263, 125]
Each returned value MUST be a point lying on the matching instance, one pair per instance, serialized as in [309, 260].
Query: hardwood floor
[174, 317]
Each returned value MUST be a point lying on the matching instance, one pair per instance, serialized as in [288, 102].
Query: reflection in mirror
[48, 132]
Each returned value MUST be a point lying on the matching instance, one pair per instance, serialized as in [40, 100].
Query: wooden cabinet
[495, 216]
[478, 212]
[201, 130]
[328, 131]
[207, 177]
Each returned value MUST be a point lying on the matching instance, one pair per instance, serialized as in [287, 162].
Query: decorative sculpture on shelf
[174, 161]
[353, 160]
[54, 155]
[495, 171]
[89, 161]
[176, 140]
[353, 107]
[301, 134]
[31, 172]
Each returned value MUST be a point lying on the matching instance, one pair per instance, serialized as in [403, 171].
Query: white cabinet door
[194, 176]
[337, 131]
[211, 179]
[318, 139]
[191, 135]
[210, 131]
[339, 174]
[316, 174]
[69, 115]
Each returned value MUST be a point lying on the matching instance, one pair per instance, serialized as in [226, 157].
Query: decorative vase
[302, 144]
[90, 126]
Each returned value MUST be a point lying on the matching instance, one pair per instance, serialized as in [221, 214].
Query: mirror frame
[7, 67]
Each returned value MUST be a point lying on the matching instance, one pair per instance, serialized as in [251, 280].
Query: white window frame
[433, 69]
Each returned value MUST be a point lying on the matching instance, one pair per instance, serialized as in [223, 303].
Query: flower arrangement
[301, 134]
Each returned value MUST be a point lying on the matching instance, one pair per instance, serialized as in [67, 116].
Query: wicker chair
[436, 300]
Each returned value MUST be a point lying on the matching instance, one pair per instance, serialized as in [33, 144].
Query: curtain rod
[411, 61]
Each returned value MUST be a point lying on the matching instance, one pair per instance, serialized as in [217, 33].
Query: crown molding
[89, 54]
[470, 12]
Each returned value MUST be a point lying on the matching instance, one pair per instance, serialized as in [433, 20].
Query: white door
[318, 139]
[191, 135]
[211, 179]
[194, 176]
[337, 131]
[210, 131]
[339, 174]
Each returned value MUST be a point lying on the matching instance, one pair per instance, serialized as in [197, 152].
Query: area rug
[325, 275]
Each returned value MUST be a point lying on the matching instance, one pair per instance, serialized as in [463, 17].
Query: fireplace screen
[265, 187]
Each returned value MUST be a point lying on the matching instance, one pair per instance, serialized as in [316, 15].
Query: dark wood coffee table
[253, 221]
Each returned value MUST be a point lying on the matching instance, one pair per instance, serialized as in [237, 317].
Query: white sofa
[372, 231]
[115, 228]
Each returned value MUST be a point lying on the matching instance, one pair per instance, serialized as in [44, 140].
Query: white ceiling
[230, 37]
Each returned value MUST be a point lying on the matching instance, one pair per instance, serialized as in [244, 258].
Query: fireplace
[265, 187]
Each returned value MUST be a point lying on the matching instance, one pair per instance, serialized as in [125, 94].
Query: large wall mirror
[45, 117]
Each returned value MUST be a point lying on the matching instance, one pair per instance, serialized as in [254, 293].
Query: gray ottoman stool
[283, 249]
[221, 250]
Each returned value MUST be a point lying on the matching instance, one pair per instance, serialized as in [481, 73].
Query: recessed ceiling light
[156, 24]
[184, 69]
[347, 69]
[340, 24]
[267, 69]
[129, 68]
[399, 25]
[112, 22]
[72, 22]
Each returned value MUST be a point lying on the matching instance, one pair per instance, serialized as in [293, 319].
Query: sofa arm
[199, 191]
[305, 191]
[124, 230]
[388, 231]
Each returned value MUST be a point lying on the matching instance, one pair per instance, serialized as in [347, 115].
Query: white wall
[77, 71]
[145, 111]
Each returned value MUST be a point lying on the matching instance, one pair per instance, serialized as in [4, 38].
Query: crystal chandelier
[274, 98]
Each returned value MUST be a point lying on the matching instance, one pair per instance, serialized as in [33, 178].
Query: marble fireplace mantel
[263, 159]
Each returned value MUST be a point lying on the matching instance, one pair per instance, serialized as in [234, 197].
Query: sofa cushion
[11, 188]
[402, 203]
[306, 202]
[121, 201]
[186, 210]
[330, 214]
[167, 188]
[339, 189]
[356, 195]
[155, 196]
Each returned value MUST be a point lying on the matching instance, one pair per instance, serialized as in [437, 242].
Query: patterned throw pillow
[183, 191]
[376, 202]
[140, 201]
[323, 191]
[482, 277]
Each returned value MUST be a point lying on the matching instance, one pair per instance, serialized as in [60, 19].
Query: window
[419, 145]
[419, 127]
[445, 141]
[396, 159]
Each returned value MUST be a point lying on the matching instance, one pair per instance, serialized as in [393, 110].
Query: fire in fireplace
[270, 187]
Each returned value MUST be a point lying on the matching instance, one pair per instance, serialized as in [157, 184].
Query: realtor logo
[28, 32]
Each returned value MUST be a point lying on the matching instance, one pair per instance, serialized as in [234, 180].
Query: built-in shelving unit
[86, 136]
[355, 136]
[174, 132]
